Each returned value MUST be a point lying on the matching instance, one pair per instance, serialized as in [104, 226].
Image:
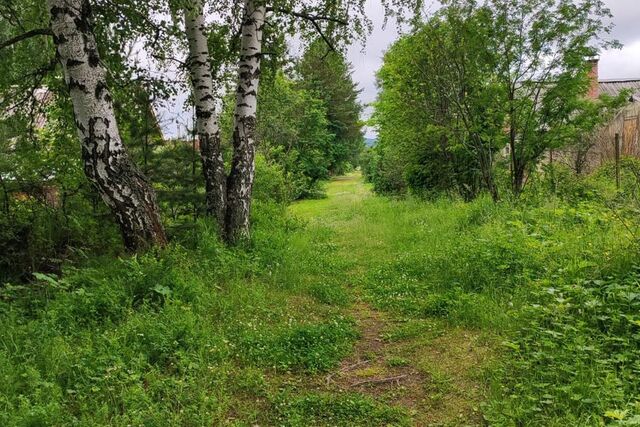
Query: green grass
[176, 337]
[547, 278]
[339, 410]
[532, 304]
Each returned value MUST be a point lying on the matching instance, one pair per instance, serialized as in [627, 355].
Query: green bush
[270, 182]
[38, 238]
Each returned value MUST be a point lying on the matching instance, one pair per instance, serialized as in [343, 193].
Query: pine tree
[328, 76]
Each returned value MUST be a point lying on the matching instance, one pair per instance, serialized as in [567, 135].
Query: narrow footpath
[431, 369]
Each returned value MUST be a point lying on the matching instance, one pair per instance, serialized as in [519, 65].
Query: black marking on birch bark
[94, 58]
[101, 88]
[76, 85]
[74, 63]
[85, 17]
[59, 39]
[253, 55]
[81, 24]
[57, 10]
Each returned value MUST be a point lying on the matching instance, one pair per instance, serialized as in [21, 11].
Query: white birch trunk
[240, 182]
[206, 117]
[106, 163]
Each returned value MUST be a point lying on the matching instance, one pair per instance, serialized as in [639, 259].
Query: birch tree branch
[25, 36]
[314, 19]
[307, 16]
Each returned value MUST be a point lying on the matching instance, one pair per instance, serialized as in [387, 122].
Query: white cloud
[624, 63]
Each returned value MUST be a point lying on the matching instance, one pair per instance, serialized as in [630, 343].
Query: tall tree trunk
[5, 200]
[240, 181]
[485, 158]
[517, 157]
[206, 118]
[106, 163]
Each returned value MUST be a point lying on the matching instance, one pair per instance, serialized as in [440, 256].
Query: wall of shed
[626, 123]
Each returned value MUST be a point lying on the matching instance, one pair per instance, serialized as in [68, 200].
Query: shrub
[35, 237]
[270, 182]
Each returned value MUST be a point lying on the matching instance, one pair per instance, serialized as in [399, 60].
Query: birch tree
[228, 198]
[326, 20]
[106, 162]
[333, 23]
[204, 97]
[240, 182]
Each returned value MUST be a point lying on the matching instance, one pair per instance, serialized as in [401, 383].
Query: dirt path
[431, 369]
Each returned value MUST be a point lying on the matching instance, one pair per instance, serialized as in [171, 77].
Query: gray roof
[615, 86]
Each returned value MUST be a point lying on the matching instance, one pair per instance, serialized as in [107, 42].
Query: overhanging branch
[25, 36]
[307, 16]
[314, 19]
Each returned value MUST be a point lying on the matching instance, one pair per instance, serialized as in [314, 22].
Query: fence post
[617, 148]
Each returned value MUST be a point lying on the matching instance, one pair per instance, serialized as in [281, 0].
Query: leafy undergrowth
[178, 337]
[550, 284]
[368, 311]
[576, 358]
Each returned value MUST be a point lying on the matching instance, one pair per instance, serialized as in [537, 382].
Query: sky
[367, 59]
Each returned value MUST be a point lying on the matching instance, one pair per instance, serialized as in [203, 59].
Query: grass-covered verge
[195, 334]
[553, 279]
[518, 313]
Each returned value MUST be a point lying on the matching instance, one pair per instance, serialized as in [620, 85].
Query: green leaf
[616, 414]
[46, 278]
[162, 290]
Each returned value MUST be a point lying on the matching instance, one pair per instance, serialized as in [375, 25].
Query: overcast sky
[367, 59]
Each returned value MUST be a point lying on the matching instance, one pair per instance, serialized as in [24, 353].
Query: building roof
[614, 86]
